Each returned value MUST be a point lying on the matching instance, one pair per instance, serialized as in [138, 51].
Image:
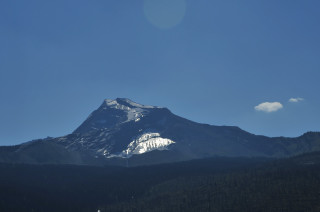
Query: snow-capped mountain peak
[132, 110]
[127, 104]
[122, 128]
[115, 112]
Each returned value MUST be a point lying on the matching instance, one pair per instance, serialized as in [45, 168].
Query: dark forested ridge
[213, 184]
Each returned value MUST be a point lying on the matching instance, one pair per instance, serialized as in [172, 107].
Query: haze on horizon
[252, 64]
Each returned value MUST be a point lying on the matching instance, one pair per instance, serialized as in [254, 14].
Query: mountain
[123, 132]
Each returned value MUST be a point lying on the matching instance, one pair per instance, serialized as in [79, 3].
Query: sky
[250, 63]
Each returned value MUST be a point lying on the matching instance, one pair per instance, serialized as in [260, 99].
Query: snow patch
[115, 102]
[137, 105]
[134, 111]
[146, 142]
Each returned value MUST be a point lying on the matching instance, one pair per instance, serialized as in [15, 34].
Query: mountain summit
[115, 112]
[123, 132]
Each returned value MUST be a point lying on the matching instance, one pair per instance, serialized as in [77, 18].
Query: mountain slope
[123, 132]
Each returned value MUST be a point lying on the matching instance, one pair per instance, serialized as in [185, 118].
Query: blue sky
[211, 61]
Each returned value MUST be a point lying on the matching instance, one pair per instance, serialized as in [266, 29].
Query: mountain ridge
[122, 131]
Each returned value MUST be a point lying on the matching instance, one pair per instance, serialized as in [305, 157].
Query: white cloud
[294, 100]
[269, 107]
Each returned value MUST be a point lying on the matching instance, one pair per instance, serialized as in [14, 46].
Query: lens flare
[164, 14]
